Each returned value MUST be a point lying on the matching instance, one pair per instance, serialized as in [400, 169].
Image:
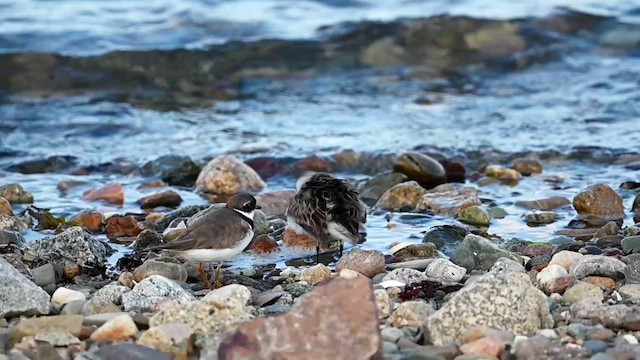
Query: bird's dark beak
[258, 206]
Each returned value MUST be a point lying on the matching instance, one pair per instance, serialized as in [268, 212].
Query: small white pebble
[391, 283]
[574, 346]
[630, 339]
[615, 296]
[289, 272]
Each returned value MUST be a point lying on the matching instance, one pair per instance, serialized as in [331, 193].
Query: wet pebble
[527, 167]
[474, 215]
[546, 204]
[599, 204]
[92, 220]
[541, 218]
[449, 202]
[367, 263]
[377, 185]
[111, 193]
[407, 194]
[123, 226]
[263, 244]
[421, 168]
[315, 274]
[168, 198]
[582, 290]
[15, 194]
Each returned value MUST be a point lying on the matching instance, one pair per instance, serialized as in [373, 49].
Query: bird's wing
[309, 211]
[211, 233]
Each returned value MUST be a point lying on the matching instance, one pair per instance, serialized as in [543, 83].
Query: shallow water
[585, 94]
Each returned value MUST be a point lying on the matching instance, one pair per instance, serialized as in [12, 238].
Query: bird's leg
[204, 277]
[341, 247]
[218, 281]
[317, 254]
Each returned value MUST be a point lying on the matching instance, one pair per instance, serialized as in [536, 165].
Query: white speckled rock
[405, 276]
[549, 274]
[506, 265]
[383, 302]
[444, 271]
[228, 175]
[170, 338]
[315, 274]
[154, 291]
[411, 313]
[112, 293]
[565, 259]
[233, 291]
[63, 296]
[597, 265]
[19, 295]
[489, 301]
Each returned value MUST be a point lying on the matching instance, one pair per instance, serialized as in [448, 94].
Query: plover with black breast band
[216, 235]
[327, 209]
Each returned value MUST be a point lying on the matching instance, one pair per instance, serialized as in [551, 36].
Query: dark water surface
[135, 80]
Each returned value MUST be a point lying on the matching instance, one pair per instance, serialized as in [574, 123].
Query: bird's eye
[246, 205]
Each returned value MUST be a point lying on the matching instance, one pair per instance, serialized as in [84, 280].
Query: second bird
[327, 209]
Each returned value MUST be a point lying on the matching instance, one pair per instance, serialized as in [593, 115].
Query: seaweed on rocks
[426, 290]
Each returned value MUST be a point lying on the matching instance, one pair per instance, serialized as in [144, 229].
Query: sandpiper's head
[243, 202]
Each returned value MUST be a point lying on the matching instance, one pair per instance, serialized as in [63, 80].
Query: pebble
[449, 203]
[383, 302]
[445, 272]
[474, 215]
[492, 297]
[507, 265]
[391, 334]
[377, 185]
[365, 262]
[427, 171]
[176, 339]
[73, 308]
[597, 265]
[71, 324]
[227, 174]
[92, 220]
[631, 244]
[405, 276]
[599, 204]
[263, 244]
[173, 271]
[44, 275]
[122, 226]
[582, 290]
[485, 346]
[111, 193]
[152, 292]
[15, 194]
[119, 328]
[5, 207]
[478, 253]
[549, 276]
[630, 293]
[297, 289]
[566, 259]
[546, 204]
[315, 274]
[129, 351]
[527, 167]
[349, 326]
[111, 292]
[407, 194]
[63, 296]
[99, 306]
[411, 313]
[167, 198]
[604, 282]
[541, 218]
[502, 173]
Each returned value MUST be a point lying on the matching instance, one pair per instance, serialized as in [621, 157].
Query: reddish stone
[71, 271]
[123, 226]
[90, 219]
[263, 244]
[266, 167]
[337, 320]
[290, 238]
[455, 171]
[603, 282]
[561, 284]
[112, 193]
[537, 250]
[313, 163]
[168, 198]
[5, 207]
[485, 346]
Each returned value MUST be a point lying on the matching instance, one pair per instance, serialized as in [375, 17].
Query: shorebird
[216, 235]
[327, 209]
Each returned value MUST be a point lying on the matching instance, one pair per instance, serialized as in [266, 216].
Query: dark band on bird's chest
[247, 219]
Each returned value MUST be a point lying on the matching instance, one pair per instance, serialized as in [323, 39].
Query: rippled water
[584, 91]
[89, 27]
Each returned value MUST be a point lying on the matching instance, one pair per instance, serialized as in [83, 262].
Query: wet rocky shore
[448, 282]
